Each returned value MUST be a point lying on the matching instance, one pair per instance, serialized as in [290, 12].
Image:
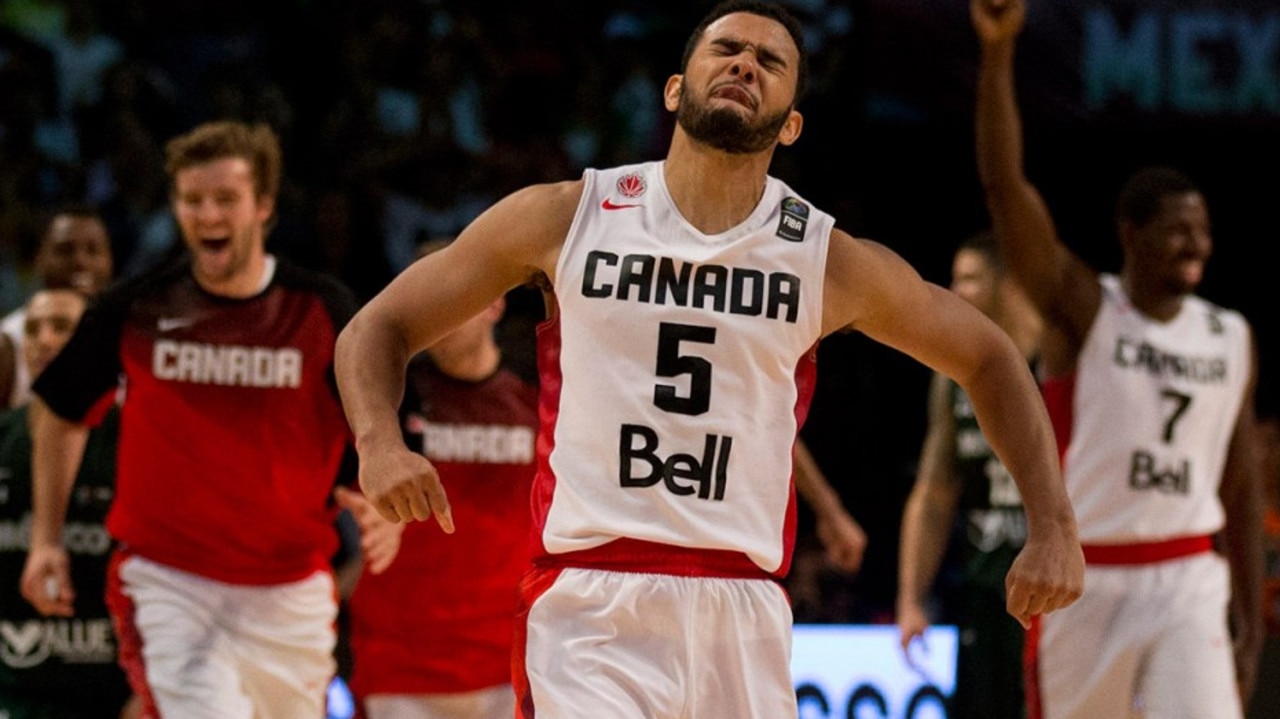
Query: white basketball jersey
[1151, 417]
[677, 371]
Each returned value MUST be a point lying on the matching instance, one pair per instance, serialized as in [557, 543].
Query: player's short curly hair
[1140, 198]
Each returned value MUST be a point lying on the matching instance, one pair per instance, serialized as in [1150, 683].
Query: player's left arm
[871, 289]
[1241, 537]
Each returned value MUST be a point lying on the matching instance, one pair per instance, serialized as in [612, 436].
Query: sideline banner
[844, 670]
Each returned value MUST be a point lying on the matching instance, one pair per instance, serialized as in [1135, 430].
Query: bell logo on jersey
[795, 216]
[710, 471]
[233, 365]
[1144, 474]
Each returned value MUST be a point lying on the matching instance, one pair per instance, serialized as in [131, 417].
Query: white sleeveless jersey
[677, 371]
[1151, 417]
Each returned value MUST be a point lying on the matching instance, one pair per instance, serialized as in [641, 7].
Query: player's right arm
[510, 244]
[57, 448]
[927, 516]
[1062, 286]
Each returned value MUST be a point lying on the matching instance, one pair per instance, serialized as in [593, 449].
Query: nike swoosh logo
[610, 206]
[168, 324]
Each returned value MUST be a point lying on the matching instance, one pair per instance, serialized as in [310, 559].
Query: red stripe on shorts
[128, 641]
[534, 585]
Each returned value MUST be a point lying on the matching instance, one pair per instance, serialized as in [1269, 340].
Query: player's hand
[379, 536]
[1048, 574]
[46, 581]
[912, 623]
[997, 20]
[844, 540]
[403, 486]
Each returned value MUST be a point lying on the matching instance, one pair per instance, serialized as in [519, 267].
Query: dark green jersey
[994, 525]
[55, 666]
[991, 528]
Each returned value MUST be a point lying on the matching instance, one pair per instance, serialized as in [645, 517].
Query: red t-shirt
[440, 618]
[231, 432]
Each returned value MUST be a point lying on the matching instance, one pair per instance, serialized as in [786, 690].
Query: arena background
[401, 118]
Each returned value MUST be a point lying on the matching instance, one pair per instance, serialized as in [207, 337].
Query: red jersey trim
[1059, 396]
[534, 585]
[1146, 552]
[129, 640]
[637, 555]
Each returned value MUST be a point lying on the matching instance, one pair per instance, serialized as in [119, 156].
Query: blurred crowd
[400, 118]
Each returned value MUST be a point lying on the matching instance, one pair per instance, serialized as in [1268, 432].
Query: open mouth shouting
[214, 244]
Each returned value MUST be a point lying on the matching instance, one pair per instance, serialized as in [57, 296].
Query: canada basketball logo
[631, 185]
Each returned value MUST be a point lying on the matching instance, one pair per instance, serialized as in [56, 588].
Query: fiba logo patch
[795, 216]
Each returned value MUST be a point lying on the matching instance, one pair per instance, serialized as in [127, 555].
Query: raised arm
[928, 515]
[57, 448]
[510, 244]
[872, 290]
[1061, 286]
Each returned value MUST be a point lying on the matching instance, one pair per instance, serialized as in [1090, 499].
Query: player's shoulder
[1203, 304]
[153, 281]
[529, 225]
[546, 198]
[853, 253]
[336, 295]
[294, 275]
[1219, 317]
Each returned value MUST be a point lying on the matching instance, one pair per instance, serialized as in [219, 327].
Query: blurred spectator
[40, 677]
[127, 182]
[74, 253]
[82, 54]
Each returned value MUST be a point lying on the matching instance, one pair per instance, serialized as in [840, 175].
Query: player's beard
[726, 130]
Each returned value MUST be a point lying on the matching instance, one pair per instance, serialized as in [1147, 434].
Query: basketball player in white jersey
[1151, 392]
[686, 299]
